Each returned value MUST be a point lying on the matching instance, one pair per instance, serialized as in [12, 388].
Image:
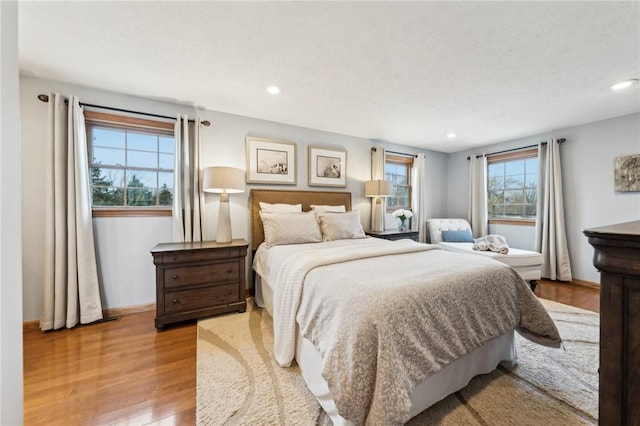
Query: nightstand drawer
[196, 256]
[210, 274]
[200, 298]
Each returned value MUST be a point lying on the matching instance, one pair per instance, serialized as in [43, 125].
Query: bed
[528, 264]
[381, 330]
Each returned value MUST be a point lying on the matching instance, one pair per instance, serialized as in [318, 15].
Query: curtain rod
[45, 98]
[561, 140]
[397, 153]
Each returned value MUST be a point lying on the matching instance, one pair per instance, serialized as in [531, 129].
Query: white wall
[11, 390]
[123, 244]
[587, 167]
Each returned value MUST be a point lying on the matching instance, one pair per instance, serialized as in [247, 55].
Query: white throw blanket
[288, 286]
[491, 242]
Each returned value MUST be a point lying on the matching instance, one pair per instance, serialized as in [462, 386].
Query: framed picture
[327, 166]
[271, 161]
[627, 173]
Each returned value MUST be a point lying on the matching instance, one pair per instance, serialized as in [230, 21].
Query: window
[397, 169]
[131, 164]
[512, 186]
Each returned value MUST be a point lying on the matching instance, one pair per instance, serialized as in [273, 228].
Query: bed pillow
[340, 226]
[290, 228]
[332, 209]
[461, 236]
[281, 208]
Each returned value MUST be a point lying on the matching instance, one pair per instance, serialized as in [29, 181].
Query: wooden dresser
[617, 257]
[199, 279]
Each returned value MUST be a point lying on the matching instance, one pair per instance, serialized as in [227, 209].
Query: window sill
[131, 212]
[515, 222]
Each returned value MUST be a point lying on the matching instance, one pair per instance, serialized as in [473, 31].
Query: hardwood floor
[570, 294]
[125, 373]
[115, 372]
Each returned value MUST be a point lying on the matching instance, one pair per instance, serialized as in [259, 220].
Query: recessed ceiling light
[451, 135]
[624, 84]
[274, 90]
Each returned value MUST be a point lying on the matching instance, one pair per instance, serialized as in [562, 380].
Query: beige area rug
[239, 383]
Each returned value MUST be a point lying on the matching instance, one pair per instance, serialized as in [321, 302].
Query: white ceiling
[407, 73]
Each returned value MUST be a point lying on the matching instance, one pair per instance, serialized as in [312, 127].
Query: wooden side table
[198, 279]
[394, 234]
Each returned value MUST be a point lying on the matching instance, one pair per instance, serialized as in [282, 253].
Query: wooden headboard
[306, 198]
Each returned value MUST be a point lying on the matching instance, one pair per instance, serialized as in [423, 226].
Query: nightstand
[198, 279]
[394, 234]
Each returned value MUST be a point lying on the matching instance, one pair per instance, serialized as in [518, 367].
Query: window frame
[509, 156]
[126, 123]
[404, 161]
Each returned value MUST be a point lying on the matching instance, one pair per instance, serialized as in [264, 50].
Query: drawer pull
[230, 270]
[229, 292]
[176, 301]
[175, 277]
[174, 257]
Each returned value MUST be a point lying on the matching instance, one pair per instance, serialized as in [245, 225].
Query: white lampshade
[223, 180]
[378, 188]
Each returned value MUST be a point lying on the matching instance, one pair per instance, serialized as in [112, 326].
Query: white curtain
[71, 286]
[551, 238]
[377, 172]
[188, 198]
[478, 196]
[419, 197]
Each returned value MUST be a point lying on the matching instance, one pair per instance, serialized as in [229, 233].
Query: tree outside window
[512, 186]
[130, 162]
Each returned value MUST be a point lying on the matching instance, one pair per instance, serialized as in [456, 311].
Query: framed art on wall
[627, 173]
[327, 166]
[271, 161]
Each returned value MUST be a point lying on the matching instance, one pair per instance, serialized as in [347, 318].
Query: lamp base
[224, 220]
[377, 216]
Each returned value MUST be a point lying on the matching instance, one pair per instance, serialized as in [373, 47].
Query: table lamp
[377, 189]
[223, 181]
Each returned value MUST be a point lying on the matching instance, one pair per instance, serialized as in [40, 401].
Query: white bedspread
[382, 324]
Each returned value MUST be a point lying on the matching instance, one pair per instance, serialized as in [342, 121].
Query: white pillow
[332, 209]
[340, 226]
[281, 208]
[290, 228]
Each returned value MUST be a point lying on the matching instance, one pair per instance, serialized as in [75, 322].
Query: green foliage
[166, 196]
[138, 194]
[104, 193]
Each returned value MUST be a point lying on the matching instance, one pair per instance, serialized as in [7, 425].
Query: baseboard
[106, 313]
[31, 324]
[584, 283]
[126, 310]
